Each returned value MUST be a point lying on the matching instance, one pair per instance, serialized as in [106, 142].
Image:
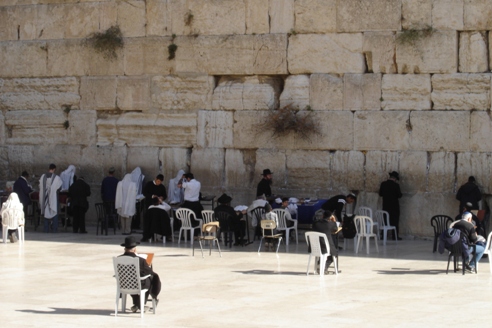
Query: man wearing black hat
[23, 189]
[265, 183]
[390, 191]
[469, 193]
[152, 284]
[78, 193]
[236, 223]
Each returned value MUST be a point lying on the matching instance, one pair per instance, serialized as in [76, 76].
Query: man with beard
[390, 191]
[265, 183]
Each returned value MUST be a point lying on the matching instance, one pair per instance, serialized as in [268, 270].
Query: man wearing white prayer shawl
[67, 177]
[13, 211]
[176, 194]
[49, 185]
[138, 178]
[126, 195]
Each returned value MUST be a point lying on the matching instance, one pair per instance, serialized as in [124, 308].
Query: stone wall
[394, 84]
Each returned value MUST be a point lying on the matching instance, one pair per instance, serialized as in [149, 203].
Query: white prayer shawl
[126, 195]
[48, 196]
[67, 177]
[138, 178]
[176, 195]
[13, 211]
[163, 206]
[272, 216]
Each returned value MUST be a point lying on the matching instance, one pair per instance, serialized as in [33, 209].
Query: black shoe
[399, 238]
[83, 232]
[126, 233]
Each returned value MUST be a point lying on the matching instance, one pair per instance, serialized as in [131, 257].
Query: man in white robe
[176, 194]
[49, 184]
[126, 195]
[67, 177]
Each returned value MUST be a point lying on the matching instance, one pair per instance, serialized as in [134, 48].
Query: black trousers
[78, 218]
[154, 289]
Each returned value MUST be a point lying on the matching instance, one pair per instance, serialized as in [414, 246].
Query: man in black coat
[78, 193]
[466, 227]
[263, 187]
[152, 284]
[154, 189]
[390, 191]
[236, 224]
[328, 226]
[469, 193]
[23, 189]
[336, 203]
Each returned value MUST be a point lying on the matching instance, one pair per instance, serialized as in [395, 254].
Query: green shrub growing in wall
[412, 35]
[108, 42]
[288, 119]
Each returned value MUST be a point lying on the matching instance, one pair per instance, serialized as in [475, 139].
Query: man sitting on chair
[152, 284]
[237, 224]
[328, 226]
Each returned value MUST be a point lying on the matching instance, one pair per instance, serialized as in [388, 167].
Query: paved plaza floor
[66, 280]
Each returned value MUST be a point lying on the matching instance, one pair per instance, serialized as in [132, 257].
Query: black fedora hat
[224, 199]
[130, 242]
[395, 175]
[266, 172]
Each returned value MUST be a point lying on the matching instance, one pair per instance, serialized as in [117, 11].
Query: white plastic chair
[488, 250]
[185, 215]
[382, 218]
[128, 282]
[364, 224]
[208, 216]
[313, 239]
[282, 224]
[10, 222]
[367, 211]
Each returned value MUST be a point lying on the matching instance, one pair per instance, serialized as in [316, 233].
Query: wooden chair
[209, 231]
[269, 225]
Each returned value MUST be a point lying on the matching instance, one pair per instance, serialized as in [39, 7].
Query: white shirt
[192, 190]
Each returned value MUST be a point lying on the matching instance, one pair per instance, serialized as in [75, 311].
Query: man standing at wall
[469, 193]
[265, 183]
[49, 185]
[192, 196]
[390, 191]
[78, 193]
[23, 189]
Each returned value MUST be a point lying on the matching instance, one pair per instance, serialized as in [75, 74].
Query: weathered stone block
[82, 130]
[281, 13]
[173, 160]
[416, 14]
[8, 28]
[61, 155]
[477, 165]
[308, 169]
[240, 169]
[182, 91]
[2, 129]
[408, 92]
[20, 158]
[131, 17]
[473, 52]
[326, 92]
[98, 93]
[23, 59]
[413, 170]
[4, 164]
[379, 50]
[257, 18]
[347, 170]
[133, 93]
[326, 53]
[276, 161]
[45, 93]
[436, 52]
[232, 55]
[136, 129]
[461, 91]
[437, 130]
[359, 16]
[381, 130]
[147, 56]
[378, 165]
[480, 132]
[211, 174]
[490, 51]
[296, 92]
[477, 15]
[247, 92]
[147, 158]
[447, 14]
[441, 173]
[315, 16]
[34, 127]
[158, 18]
[215, 129]
[362, 91]
[96, 161]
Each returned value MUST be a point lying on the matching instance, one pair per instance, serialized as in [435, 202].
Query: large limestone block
[21, 158]
[480, 132]
[326, 92]
[347, 170]
[98, 92]
[477, 15]
[296, 92]
[186, 91]
[61, 155]
[461, 91]
[315, 16]
[82, 130]
[308, 169]
[2, 129]
[98, 160]
[148, 56]
[413, 171]
[447, 14]
[362, 92]
[36, 127]
[257, 18]
[133, 93]
[276, 161]
[326, 53]
[440, 130]
[378, 165]
[375, 15]
[247, 92]
[23, 59]
[407, 92]
[44, 93]
[158, 18]
[473, 52]
[147, 158]
[211, 174]
[416, 14]
[281, 13]
[381, 130]
[441, 172]
[138, 129]
[132, 17]
[8, 28]
[173, 160]
[4, 164]
[490, 51]
[232, 55]
[477, 165]
[433, 53]
[240, 169]
[215, 129]
[379, 50]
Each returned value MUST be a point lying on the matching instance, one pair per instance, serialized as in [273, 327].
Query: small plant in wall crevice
[410, 36]
[172, 48]
[107, 42]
